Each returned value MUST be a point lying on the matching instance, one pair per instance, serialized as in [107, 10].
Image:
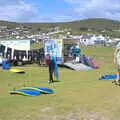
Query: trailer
[60, 48]
[15, 45]
[10, 49]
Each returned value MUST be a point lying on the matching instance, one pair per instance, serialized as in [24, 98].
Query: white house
[92, 39]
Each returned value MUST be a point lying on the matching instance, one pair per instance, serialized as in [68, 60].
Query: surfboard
[26, 92]
[107, 77]
[16, 70]
[42, 90]
[56, 72]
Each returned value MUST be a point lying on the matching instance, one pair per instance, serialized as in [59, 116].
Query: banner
[54, 47]
[16, 44]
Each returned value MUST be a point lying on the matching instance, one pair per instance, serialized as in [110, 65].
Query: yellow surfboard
[16, 70]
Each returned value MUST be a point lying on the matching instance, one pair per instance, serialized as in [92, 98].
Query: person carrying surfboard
[116, 60]
[49, 62]
[53, 67]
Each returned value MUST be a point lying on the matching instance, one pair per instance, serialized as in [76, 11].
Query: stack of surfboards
[32, 91]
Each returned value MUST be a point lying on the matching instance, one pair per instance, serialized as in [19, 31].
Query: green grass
[78, 95]
[36, 46]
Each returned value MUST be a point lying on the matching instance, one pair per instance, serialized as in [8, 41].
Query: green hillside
[109, 27]
[76, 25]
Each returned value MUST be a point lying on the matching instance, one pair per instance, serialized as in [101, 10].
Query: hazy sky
[58, 10]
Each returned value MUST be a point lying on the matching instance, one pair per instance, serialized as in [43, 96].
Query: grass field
[78, 95]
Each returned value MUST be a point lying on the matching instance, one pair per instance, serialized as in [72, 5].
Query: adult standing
[116, 60]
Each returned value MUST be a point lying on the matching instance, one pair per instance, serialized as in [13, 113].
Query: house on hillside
[85, 39]
[93, 40]
[113, 42]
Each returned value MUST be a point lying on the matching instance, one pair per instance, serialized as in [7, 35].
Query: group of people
[75, 53]
[51, 61]
[52, 65]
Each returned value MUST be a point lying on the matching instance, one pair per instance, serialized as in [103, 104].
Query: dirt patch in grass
[93, 116]
[48, 109]
[76, 116]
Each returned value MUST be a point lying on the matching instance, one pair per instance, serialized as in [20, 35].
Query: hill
[93, 25]
[76, 25]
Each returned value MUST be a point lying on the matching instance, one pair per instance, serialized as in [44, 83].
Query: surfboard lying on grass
[16, 70]
[107, 77]
[42, 90]
[32, 91]
[26, 92]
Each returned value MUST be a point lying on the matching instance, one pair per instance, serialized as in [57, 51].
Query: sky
[58, 10]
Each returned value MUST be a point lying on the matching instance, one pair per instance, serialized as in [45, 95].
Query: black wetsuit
[51, 70]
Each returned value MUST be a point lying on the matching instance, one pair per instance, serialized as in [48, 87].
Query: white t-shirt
[1, 60]
[118, 57]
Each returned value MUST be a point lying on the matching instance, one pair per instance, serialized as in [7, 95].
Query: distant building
[93, 40]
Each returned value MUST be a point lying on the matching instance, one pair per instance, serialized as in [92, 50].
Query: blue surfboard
[107, 77]
[39, 89]
[26, 92]
[56, 73]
